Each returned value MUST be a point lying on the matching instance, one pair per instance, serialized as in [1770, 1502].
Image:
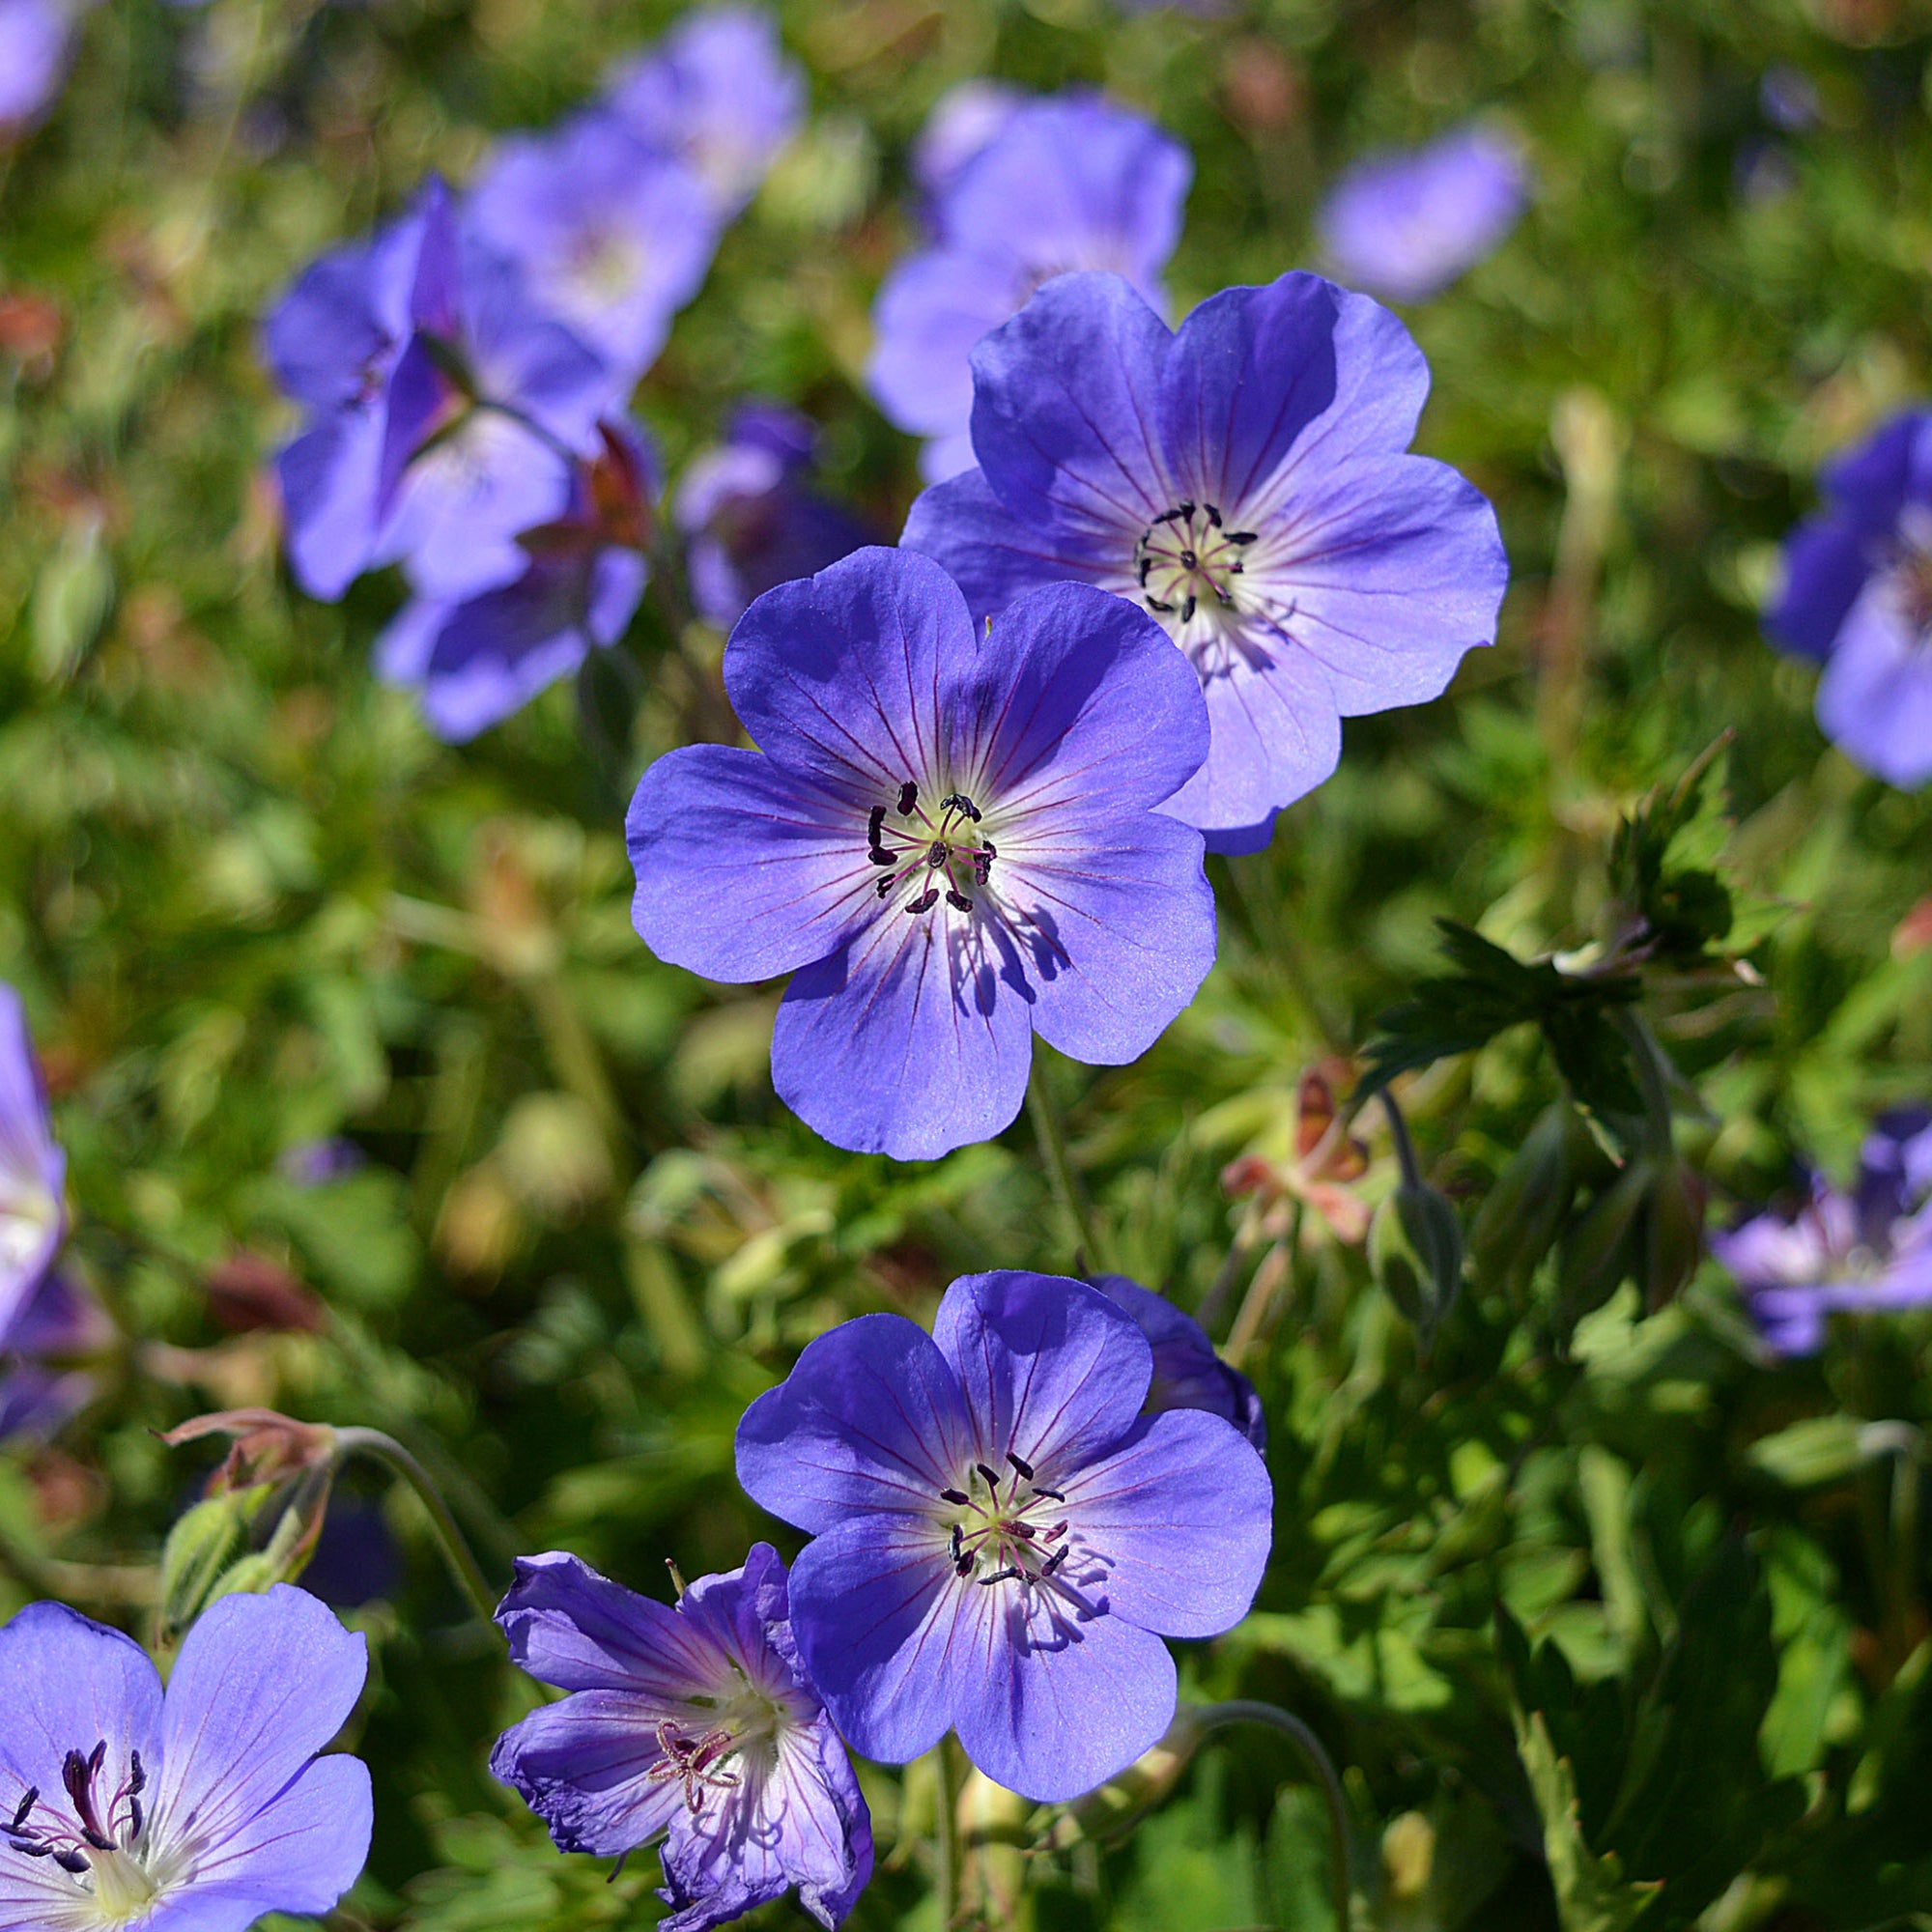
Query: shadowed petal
[1051, 1370]
[301, 1851]
[994, 557]
[582, 1767]
[744, 869]
[869, 1419]
[569, 1627]
[1276, 735]
[1183, 1512]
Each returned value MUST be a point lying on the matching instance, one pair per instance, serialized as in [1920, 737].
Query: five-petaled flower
[1857, 599]
[694, 1723]
[199, 1811]
[949, 837]
[1001, 1537]
[1246, 480]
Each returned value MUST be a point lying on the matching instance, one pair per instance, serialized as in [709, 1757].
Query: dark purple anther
[939, 854]
[1003, 1576]
[954, 1496]
[923, 903]
[27, 1805]
[875, 823]
[880, 857]
[908, 798]
[958, 901]
[1023, 1466]
[992, 1476]
[1054, 1561]
[1041, 1490]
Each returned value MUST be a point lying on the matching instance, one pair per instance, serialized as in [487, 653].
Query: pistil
[1187, 555]
[1002, 1530]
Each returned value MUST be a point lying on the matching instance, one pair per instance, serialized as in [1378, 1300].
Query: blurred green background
[251, 902]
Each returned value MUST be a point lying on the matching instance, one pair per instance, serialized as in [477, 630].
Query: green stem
[945, 1836]
[1250, 1710]
[1052, 1131]
[463, 1566]
[1404, 1146]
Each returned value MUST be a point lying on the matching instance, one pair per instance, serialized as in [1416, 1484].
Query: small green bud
[1416, 1250]
[1673, 1233]
[1524, 1213]
[1603, 1247]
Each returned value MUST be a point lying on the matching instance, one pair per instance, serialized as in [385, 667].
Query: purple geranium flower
[1246, 480]
[612, 239]
[751, 518]
[1001, 1537]
[1067, 183]
[1187, 1373]
[1853, 1253]
[477, 659]
[948, 838]
[44, 1382]
[199, 1811]
[1403, 226]
[318, 1163]
[1858, 598]
[965, 121]
[697, 1724]
[718, 93]
[36, 39]
[33, 1169]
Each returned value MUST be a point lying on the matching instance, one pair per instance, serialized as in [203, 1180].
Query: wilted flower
[477, 659]
[33, 1169]
[445, 404]
[949, 839]
[612, 238]
[1403, 226]
[203, 1810]
[718, 93]
[1067, 183]
[696, 1724]
[1245, 480]
[1860, 1252]
[1857, 599]
[1001, 1536]
[36, 41]
[751, 518]
[1187, 1373]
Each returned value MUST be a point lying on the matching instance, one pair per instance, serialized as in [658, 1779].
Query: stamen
[1242, 536]
[926, 902]
[1003, 1576]
[134, 1819]
[1214, 515]
[885, 886]
[76, 1863]
[27, 1805]
[1058, 1557]
[958, 801]
[879, 856]
[1020, 1463]
[958, 1543]
[875, 823]
[954, 1496]
[958, 901]
[908, 798]
[991, 1476]
[938, 855]
[1041, 1490]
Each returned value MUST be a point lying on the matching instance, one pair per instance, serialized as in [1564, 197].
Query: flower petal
[571, 1628]
[582, 1767]
[869, 1419]
[1181, 1511]
[301, 1851]
[845, 676]
[912, 1041]
[744, 870]
[1875, 697]
[995, 557]
[931, 309]
[1051, 1370]
[1050, 1699]
[261, 1684]
[1826, 563]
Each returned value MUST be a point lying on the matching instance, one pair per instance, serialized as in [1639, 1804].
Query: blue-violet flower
[1001, 1537]
[1247, 481]
[1187, 1373]
[1403, 226]
[199, 1811]
[1857, 599]
[693, 1723]
[33, 1169]
[1065, 183]
[36, 41]
[950, 839]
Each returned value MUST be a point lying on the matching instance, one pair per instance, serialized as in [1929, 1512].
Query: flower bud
[1603, 1247]
[1519, 1220]
[1416, 1250]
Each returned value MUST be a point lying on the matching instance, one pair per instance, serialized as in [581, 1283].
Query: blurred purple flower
[199, 1810]
[612, 239]
[444, 404]
[36, 43]
[1860, 1252]
[43, 1383]
[1248, 480]
[751, 518]
[1789, 97]
[695, 1722]
[1001, 1537]
[1067, 183]
[578, 580]
[33, 1169]
[964, 122]
[949, 839]
[1403, 226]
[1187, 1373]
[1857, 599]
[717, 94]
[318, 1163]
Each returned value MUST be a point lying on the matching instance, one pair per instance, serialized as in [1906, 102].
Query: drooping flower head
[949, 839]
[1246, 481]
[33, 1169]
[1067, 183]
[36, 39]
[1187, 1373]
[612, 237]
[752, 518]
[199, 1811]
[446, 405]
[477, 659]
[718, 93]
[1403, 226]
[694, 1723]
[1862, 1252]
[1857, 599]
[1001, 1537]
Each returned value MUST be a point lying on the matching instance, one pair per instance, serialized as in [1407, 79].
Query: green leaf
[1592, 1895]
